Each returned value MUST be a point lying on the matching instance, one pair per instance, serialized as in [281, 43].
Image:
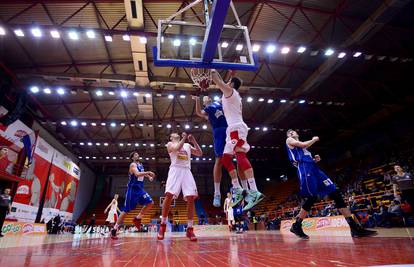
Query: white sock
[235, 183]
[217, 189]
[252, 184]
[245, 184]
[164, 220]
[116, 226]
[190, 223]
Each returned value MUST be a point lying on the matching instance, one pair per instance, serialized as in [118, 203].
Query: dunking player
[135, 193]
[180, 179]
[236, 141]
[314, 183]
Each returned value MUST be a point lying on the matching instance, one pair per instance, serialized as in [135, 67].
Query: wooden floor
[264, 248]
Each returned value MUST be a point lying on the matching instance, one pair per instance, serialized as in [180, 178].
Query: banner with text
[20, 228]
[319, 226]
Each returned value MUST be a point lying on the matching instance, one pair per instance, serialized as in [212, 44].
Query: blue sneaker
[217, 201]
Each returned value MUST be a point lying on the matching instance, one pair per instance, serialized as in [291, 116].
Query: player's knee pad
[243, 161]
[339, 200]
[307, 205]
[227, 163]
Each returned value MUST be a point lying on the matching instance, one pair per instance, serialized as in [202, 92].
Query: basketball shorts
[236, 136]
[219, 136]
[180, 179]
[135, 196]
[230, 216]
[313, 181]
[112, 217]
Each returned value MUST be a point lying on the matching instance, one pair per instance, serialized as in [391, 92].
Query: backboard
[212, 44]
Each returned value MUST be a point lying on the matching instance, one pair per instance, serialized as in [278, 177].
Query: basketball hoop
[202, 78]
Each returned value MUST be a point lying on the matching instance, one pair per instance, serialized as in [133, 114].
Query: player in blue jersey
[213, 112]
[315, 183]
[135, 193]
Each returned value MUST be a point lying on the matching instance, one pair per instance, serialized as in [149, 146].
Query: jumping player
[112, 217]
[314, 183]
[135, 193]
[228, 210]
[236, 141]
[180, 179]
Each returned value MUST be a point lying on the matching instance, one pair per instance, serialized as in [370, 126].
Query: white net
[201, 77]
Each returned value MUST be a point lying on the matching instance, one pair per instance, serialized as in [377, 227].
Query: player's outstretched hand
[194, 97]
[184, 135]
[191, 138]
[315, 138]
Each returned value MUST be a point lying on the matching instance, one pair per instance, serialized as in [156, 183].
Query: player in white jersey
[236, 141]
[228, 210]
[113, 210]
[180, 179]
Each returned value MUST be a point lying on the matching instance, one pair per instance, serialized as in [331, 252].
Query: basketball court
[89, 85]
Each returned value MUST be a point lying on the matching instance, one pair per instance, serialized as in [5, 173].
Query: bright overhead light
[301, 101]
[99, 93]
[103, 124]
[63, 123]
[170, 96]
[87, 157]
[168, 126]
[55, 34]
[141, 125]
[19, 32]
[121, 144]
[34, 89]
[268, 179]
[106, 144]
[250, 99]
[270, 48]
[97, 144]
[60, 91]
[147, 95]
[301, 49]
[182, 96]
[257, 128]
[216, 98]
[357, 54]
[90, 34]
[108, 38]
[341, 55]
[123, 124]
[124, 94]
[329, 52]
[204, 127]
[143, 40]
[270, 101]
[47, 91]
[256, 48]
[152, 145]
[187, 126]
[177, 42]
[136, 144]
[2, 31]
[224, 44]
[81, 143]
[193, 41]
[113, 157]
[83, 123]
[135, 94]
[37, 32]
[111, 93]
[113, 124]
[285, 50]
[93, 123]
[126, 37]
[74, 123]
[159, 125]
[264, 129]
[73, 35]
[261, 99]
[239, 47]
[283, 101]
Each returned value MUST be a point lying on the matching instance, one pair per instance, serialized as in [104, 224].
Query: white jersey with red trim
[232, 108]
[181, 158]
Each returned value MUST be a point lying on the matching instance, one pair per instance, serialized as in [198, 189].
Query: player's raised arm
[305, 144]
[133, 169]
[195, 148]
[198, 110]
[224, 87]
[175, 146]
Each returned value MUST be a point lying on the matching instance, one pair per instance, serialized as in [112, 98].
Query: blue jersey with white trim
[298, 154]
[216, 115]
[137, 181]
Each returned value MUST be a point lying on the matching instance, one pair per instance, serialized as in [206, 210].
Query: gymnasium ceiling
[338, 93]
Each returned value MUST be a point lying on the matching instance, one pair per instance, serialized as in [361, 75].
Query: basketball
[204, 84]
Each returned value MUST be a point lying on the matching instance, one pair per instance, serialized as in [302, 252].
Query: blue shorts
[135, 196]
[219, 136]
[313, 181]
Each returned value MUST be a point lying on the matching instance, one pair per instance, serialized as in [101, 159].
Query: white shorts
[236, 137]
[230, 216]
[181, 179]
[112, 217]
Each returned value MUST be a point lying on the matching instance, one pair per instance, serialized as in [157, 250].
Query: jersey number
[327, 182]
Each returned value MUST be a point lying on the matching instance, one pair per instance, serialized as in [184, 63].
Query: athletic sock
[190, 223]
[245, 184]
[235, 183]
[116, 226]
[217, 189]
[164, 220]
[252, 184]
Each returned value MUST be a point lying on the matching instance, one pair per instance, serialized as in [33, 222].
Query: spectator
[406, 207]
[5, 207]
[380, 216]
[394, 210]
[404, 181]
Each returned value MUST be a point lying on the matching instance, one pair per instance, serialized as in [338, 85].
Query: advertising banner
[21, 228]
[320, 226]
[30, 190]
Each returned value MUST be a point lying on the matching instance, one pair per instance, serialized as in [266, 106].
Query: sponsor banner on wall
[319, 226]
[20, 228]
[62, 187]
[30, 190]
